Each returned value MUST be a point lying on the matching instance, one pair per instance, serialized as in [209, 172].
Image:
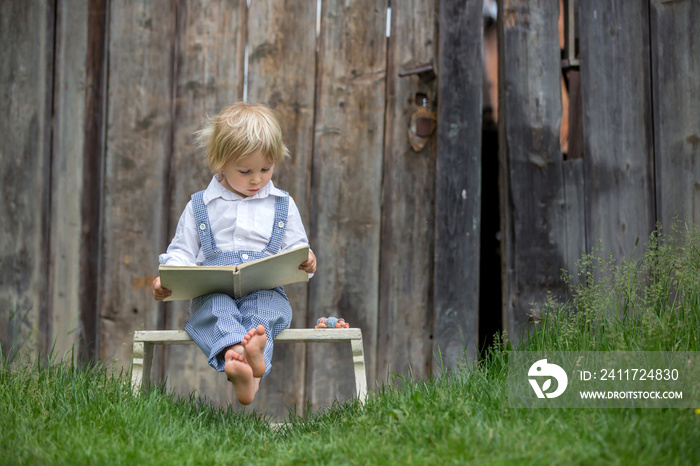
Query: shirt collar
[216, 190]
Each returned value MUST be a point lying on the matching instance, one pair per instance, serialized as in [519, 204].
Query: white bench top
[308, 335]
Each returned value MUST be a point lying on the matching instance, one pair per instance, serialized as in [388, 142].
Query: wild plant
[648, 301]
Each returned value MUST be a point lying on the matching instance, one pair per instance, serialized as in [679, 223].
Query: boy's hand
[159, 293]
[310, 265]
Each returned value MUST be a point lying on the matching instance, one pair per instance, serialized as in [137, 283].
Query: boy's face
[246, 176]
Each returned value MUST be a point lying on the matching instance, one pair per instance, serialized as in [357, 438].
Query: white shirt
[238, 223]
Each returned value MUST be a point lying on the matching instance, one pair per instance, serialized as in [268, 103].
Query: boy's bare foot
[240, 374]
[254, 344]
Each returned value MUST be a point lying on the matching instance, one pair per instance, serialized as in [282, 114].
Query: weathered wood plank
[281, 61]
[93, 162]
[210, 75]
[574, 207]
[26, 73]
[458, 182]
[138, 146]
[616, 103]
[67, 177]
[347, 168]
[532, 187]
[408, 196]
[675, 53]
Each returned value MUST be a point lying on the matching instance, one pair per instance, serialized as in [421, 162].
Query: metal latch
[425, 72]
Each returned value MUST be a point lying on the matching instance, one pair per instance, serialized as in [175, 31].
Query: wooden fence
[100, 100]
[640, 73]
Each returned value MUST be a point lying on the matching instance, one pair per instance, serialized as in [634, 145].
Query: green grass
[58, 414]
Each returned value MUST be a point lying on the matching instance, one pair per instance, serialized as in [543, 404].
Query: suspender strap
[279, 225]
[201, 217]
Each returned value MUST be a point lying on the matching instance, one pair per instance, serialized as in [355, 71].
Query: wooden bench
[144, 341]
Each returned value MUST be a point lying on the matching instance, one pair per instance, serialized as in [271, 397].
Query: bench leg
[141, 366]
[358, 359]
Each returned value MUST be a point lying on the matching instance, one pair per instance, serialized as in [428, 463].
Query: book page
[271, 272]
[280, 269]
[191, 282]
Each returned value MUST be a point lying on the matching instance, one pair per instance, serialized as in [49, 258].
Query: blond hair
[240, 130]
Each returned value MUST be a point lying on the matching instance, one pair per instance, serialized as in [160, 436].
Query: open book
[235, 280]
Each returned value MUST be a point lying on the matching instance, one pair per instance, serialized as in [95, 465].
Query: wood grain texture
[67, 177]
[138, 146]
[209, 76]
[616, 105]
[282, 58]
[408, 194]
[575, 209]
[93, 163]
[26, 74]
[532, 187]
[347, 172]
[675, 56]
[458, 183]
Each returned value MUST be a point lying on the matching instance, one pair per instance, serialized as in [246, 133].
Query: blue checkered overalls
[218, 321]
